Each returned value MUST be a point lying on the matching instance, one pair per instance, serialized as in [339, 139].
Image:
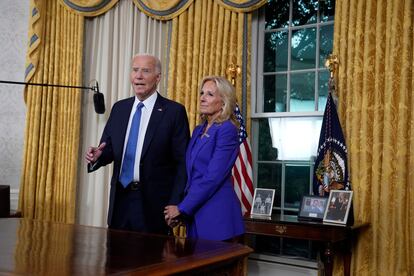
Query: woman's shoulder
[227, 128]
[228, 124]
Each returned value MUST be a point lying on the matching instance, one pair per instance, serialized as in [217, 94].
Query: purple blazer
[210, 200]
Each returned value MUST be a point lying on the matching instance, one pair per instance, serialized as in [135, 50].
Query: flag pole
[332, 63]
[242, 174]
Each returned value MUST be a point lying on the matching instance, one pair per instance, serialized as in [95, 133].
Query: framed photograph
[338, 207]
[262, 202]
[312, 207]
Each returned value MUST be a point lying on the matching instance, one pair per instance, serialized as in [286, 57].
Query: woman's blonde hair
[228, 95]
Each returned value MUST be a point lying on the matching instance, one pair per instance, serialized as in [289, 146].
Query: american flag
[242, 173]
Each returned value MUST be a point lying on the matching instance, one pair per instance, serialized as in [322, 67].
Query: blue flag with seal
[331, 169]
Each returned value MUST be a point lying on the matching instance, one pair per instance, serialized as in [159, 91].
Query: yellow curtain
[88, 7]
[163, 9]
[242, 5]
[48, 183]
[166, 10]
[374, 42]
[35, 32]
[205, 40]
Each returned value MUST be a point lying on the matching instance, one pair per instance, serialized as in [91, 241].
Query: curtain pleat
[205, 40]
[48, 184]
[374, 42]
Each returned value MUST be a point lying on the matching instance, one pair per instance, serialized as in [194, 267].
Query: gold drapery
[205, 40]
[89, 7]
[35, 34]
[374, 43]
[48, 182]
[242, 5]
[163, 9]
[158, 9]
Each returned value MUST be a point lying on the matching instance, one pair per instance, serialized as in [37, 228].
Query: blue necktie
[127, 172]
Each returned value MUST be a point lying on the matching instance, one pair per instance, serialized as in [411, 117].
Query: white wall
[14, 17]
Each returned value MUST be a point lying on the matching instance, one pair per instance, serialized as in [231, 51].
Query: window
[294, 37]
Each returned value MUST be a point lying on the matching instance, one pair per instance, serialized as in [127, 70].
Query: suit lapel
[208, 138]
[192, 153]
[123, 122]
[156, 116]
[190, 147]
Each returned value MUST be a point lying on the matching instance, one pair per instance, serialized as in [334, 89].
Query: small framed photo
[312, 207]
[338, 207]
[262, 202]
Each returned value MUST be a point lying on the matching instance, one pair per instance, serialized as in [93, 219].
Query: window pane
[325, 43]
[297, 179]
[323, 89]
[269, 176]
[327, 8]
[304, 12]
[277, 14]
[302, 92]
[266, 151]
[292, 138]
[303, 49]
[275, 90]
[275, 52]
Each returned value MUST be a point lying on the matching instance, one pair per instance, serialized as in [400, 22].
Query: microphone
[98, 97]
[98, 100]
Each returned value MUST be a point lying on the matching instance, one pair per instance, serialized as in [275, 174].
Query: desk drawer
[295, 231]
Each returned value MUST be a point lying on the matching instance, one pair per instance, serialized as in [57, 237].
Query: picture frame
[338, 207]
[312, 207]
[262, 204]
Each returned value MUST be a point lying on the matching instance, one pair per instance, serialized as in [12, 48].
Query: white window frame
[257, 76]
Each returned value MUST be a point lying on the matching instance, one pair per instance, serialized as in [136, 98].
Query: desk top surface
[41, 248]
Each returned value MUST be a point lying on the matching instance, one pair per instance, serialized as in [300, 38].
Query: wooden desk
[291, 227]
[30, 247]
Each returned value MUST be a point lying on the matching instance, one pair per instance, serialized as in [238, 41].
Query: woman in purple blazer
[210, 208]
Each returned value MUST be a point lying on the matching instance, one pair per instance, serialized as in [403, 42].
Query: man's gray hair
[158, 66]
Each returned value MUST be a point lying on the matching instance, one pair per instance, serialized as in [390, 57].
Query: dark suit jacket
[162, 165]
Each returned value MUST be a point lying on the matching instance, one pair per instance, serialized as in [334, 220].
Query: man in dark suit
[146, 138]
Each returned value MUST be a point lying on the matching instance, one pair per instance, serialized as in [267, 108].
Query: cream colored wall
[13, 36]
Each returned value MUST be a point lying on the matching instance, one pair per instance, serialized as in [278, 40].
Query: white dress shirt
[145, 116]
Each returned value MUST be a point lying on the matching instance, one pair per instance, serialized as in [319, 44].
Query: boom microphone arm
[98, 97]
